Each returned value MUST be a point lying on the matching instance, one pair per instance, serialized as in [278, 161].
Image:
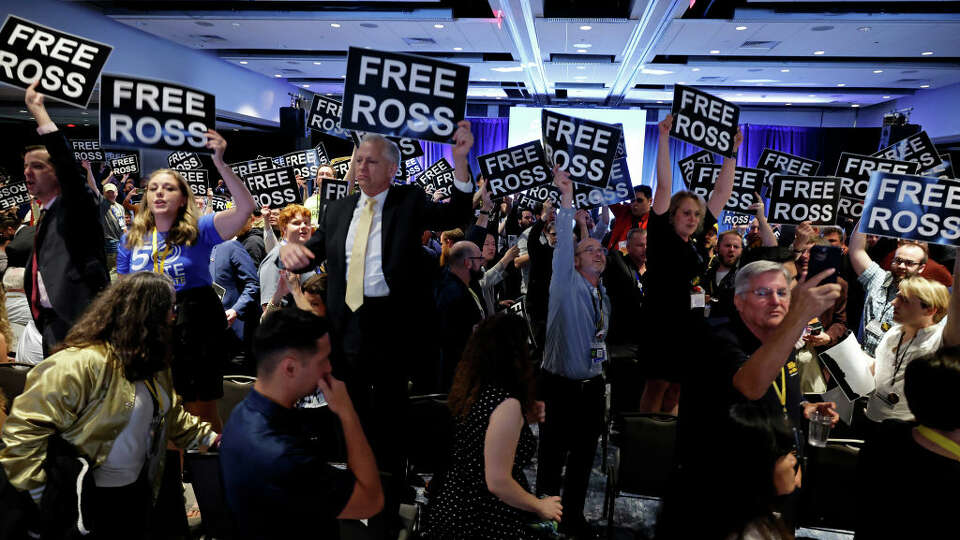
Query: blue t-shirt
[189, 266]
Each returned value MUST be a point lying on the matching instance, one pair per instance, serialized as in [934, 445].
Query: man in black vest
[68, 266]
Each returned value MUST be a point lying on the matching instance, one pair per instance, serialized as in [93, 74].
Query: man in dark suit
[376, 307]
[68, 266]
[459, 306]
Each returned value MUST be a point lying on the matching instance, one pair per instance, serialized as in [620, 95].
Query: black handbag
[66, 508]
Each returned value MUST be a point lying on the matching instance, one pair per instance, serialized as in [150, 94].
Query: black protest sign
[324, 116]
[304, 162]
[704, 120]
[917, 148]
[944, 170]
[67, 65]
[440, 175]
[403, 95]
[198, 180]
[795, 199]
[142, 113]
[182, 161]
[275, 187]
[409, 148]
[87, 150]
[340, 166]
[246, 168]
[855, 170]
[519, 307]
[686, 164]
[777, 162]
[322, 154]
[514, 169]
[746, 185]
[125, 164]
[544, 193]
[583, 148]
[413, 166]
[618, 190]
[331, 190]
[13, 195]
[219, 203]
[622, 147]
[912, 207]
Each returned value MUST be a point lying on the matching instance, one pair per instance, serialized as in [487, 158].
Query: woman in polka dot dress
[483, 493]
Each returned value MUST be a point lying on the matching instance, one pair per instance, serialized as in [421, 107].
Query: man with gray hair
[378, 290]
[748, 358]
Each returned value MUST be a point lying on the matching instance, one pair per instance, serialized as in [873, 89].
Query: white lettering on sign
[711, 109]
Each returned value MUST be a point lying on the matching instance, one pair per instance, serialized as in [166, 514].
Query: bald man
[571, 381]
[458, 304]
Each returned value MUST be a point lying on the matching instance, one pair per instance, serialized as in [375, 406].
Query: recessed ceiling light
[318, 63]
[438, 26]
[681, 82]
[306, 86]
[277, 75]
[329, 94]
[864, 29]
[695, 69]
[458, 48]
[715, 51]
[653, 71]
[788, 104]
[335, 25]
[784, 71]
[811, 95]
[581, 67]
[586, 27]
[927, 53]
[244, 62]
[885, 97]
[741, 28]
[236, 25]
[658, 101]
[924, 86]
[818, 52]
[581, 50]
[507, 69]
[343, 76]
[855, 105]
[878, 71]
[841, 84]
[482, 79]
[582, 45]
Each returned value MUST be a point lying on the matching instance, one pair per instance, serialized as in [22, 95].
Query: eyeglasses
[767, 292]
[905, 262]
[593, 249]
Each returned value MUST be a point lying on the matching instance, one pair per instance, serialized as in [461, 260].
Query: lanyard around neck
[939, 440]
[782, 391]
[159, 261]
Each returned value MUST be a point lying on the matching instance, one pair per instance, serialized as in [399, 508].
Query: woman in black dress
[674, 301]
[483, 493]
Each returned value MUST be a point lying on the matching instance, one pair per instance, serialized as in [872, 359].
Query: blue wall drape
[489, 135]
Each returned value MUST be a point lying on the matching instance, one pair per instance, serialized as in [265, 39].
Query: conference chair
[204, 471]
[827, 497]
[13, 377]
[642, 464]
[429, 435]
[235, 388]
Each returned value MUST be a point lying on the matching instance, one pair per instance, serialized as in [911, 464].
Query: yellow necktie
[358, 255]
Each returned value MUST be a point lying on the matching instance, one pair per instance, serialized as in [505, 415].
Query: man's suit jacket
[458, 314]
[406, 214]
[69, 242]
[233, 269]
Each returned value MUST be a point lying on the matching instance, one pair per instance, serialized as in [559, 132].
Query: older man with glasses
[880, 286]
[749, 358]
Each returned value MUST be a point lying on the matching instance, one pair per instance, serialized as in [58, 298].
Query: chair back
[429, 433]
[13, 377]
[235, 388]
[207, 482]
[647, 453]
[831, 470]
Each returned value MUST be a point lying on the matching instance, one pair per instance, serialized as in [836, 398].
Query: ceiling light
[811, 95]
[244, 62]
[885, 97]
[582, 45]
[841, 84]
[581, 50]
[784, 71]
[586, 27]
[741, 28]
[329, 94]
[438, 26]
[924, 86]
[695, 69]
[481, 79]
[236, 25]
[507, 69]
[306, 86]
[647, 71]
[878, 71]
[318, 63]
[927, 53]
[335, 25]
[458, 48]
[715, 51]
[855, 105]
[581, 67]
[864, 29]
[818, 52]
[681, 82]
[343, 76]
[788, 104]
[277, 75]
[658, 101]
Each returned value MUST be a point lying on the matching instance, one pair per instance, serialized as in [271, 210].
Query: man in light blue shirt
[571, 381]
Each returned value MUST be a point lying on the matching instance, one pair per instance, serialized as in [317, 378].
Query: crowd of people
[519, 315]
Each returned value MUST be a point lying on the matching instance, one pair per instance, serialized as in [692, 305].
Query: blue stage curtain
[489, 135]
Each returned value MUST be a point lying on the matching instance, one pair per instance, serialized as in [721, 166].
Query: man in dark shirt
[276, 482]
[750, 357]
[718, 281]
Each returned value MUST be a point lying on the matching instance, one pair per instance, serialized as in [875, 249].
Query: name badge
[874, 328]
[697, 300]
[598, 352]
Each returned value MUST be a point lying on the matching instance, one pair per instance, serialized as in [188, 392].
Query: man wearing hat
[111, 217]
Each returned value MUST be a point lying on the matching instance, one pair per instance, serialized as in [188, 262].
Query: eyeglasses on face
[767, 292]
[593, 249]
[905, 262]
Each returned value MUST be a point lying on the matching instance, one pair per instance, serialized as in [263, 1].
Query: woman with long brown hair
[107, 393]
[484, 493]
[170, 236]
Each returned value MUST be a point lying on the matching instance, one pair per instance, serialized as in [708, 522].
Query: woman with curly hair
[484, 493]
[107, 393]
[169, 236]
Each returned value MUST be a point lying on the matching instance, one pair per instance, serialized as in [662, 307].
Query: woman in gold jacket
[108, 393]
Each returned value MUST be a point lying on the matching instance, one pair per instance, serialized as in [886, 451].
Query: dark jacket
[458, 314]
[721, 294]
[625, 288]
[232, 268]
[252, 241]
